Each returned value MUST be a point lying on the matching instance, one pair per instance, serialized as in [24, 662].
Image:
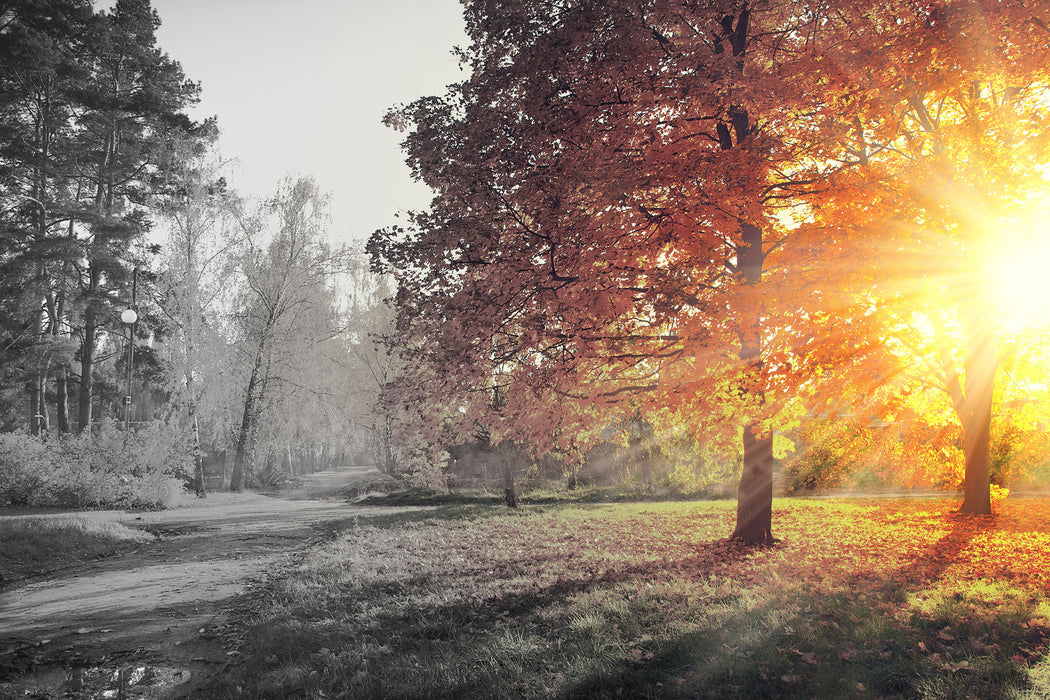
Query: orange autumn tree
[613, 183]
[948, 102]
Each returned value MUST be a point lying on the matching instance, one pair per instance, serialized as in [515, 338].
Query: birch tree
[287, 270]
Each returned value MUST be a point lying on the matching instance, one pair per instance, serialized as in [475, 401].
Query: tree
[285, 310]
[610, 183]
[88, 106]
[41, 50]
[133, 104]
[948, 106]
[192, 288]
[304, 422]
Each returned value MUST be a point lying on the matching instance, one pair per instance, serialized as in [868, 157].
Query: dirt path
[154, 622]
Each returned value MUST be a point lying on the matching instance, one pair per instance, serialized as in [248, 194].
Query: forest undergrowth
[859, 598]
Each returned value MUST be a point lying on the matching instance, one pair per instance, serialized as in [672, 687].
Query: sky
[300, 88]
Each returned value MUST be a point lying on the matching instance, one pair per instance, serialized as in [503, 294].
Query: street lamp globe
[128, 317]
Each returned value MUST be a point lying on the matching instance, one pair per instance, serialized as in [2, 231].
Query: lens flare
[1020, 271]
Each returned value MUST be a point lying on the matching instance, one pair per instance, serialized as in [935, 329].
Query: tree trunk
[104, 208]
[38, 382]
[754, 504]
[976, 413]
[245, 431]
[384, 447]
[87, 366]
[62, 400]
[62, 371]
[42, 413]
[198, 459]
[34, 404]
[56, 312]
[237, 477]
[976, 486]
[510, 491]
[755, 493]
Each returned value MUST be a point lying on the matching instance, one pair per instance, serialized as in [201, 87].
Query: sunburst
[1019, 267]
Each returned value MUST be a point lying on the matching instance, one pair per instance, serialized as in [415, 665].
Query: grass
[33, 546]
[861, 599]
[392, 494]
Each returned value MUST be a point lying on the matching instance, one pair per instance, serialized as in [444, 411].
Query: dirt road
[154, 622]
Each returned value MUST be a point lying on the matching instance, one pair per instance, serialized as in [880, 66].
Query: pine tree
[41, 52]
[133, 113]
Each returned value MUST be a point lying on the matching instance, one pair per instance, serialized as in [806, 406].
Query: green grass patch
[860, 600]
[36, 545]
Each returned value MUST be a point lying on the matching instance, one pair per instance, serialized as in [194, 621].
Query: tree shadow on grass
[964, 645]
[843, 663]
[401, 618]
[932, 564]
[428, 498]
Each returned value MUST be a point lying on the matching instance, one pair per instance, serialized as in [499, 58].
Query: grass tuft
[33, 546]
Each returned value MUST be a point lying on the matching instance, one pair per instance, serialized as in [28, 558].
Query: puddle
[99, 683]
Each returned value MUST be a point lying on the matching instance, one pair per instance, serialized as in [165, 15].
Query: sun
[1019, 263]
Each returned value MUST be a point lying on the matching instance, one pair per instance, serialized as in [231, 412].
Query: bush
[143, 469]
[696, 468]
[843, 453]
[828, 452]
[1016, 454]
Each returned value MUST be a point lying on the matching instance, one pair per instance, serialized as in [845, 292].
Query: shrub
[828, 452]
[846, 453]
[696, 468]
[25, 467]
[1016, 453]
[110, 468]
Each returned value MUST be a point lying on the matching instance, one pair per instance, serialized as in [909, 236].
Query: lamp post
[129, 317]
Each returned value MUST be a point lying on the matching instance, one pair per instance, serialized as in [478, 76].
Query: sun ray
[1019, 267]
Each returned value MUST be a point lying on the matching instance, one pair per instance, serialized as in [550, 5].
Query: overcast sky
[300, 87]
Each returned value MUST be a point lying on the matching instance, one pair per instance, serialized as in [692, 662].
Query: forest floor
[157, 620]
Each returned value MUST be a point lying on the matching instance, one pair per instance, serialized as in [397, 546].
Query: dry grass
[39, 544]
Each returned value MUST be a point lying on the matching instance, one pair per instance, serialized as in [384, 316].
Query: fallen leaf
[809, 657]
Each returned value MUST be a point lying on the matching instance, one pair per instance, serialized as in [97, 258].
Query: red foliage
[697, 213]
